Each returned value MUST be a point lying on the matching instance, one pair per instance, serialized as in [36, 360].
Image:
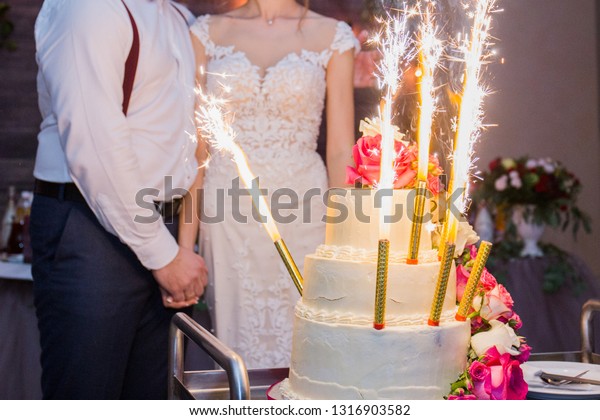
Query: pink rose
[487, 281]
[472, 251]
[406, 156]
[462, 276]
[496, 303]
[367, 157]
[514, 321]
[525, 350]
[480, 384]
[497, 377]
[434, 184]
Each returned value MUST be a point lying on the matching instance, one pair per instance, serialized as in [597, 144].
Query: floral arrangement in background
[547, 189]
[496, 352]
[367, 158]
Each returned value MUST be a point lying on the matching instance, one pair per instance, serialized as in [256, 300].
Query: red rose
[544, 184]
[495, 163]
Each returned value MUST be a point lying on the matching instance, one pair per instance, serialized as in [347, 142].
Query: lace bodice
[279, 112]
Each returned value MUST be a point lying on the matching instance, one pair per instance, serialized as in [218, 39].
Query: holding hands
[183, 280]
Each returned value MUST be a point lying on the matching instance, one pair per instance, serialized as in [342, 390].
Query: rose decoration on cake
[367, 160]
[496, 350]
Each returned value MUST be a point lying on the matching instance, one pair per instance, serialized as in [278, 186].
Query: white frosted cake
[336, 352]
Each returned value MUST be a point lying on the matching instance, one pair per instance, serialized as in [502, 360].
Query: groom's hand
[182, 281]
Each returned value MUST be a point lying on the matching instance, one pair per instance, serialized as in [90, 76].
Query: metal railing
[183, 326]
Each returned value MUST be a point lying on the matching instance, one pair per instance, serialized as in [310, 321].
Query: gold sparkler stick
[442, 285]
[430, 49]
[467, 299]
[443, 236]
[381, 284]
[417, 223]
[290, 264]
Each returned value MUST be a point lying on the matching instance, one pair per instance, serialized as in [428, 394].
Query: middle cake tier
[343, 291]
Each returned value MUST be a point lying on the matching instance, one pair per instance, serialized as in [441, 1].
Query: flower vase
[529, 231]
[484, 225]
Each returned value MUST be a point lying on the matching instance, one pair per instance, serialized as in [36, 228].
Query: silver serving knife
[573, 379]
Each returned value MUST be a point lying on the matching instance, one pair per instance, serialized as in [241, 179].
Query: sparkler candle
[467, 299]
[417, 223]
[442, 285]
[430, 49]
[393, 46]
[470, 112]
[212, 124]
[381, 283]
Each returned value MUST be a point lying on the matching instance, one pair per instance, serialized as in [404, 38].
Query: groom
[115, 86]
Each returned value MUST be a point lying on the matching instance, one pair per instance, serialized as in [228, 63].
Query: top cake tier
[353, 219]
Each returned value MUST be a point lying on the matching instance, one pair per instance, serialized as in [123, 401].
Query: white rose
[515, 180]
[493, 304]
[531, 163]
[501, 183]
[500, 335]
[372, 127]
[465, 235]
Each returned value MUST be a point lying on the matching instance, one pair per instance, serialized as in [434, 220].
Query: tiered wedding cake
[337, 354]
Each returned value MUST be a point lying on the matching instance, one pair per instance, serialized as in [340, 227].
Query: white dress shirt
[81, 49]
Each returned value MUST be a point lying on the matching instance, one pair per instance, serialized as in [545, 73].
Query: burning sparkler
[467, 131]
[470, 112]
[212, 123]
[394, 47]
[430, 50]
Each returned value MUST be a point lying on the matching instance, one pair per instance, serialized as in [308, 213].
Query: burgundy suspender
[131, 63]
[180, 14]
[132, 59]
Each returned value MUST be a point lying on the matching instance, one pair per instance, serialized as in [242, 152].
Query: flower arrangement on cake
[367, 158]
[496, 351]
[544, 186]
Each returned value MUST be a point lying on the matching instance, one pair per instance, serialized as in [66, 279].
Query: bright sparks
[394, 46]
[212, 122]
[430, 51]
[470, 111]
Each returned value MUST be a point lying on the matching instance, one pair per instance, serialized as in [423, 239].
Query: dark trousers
[103, 327]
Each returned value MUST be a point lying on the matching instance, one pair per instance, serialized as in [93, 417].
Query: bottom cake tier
[344, 361]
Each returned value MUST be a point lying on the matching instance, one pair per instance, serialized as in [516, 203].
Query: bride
[277, 64]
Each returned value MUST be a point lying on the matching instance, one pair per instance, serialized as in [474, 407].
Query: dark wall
[19, 115]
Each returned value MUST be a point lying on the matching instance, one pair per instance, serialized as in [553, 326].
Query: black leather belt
[63, 192]
[69, 192]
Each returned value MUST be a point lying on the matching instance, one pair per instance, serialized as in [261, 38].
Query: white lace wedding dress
[277, 117]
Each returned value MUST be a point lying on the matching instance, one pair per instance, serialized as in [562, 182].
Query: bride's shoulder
[318, 23]
[329, 31]
[206, 26]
